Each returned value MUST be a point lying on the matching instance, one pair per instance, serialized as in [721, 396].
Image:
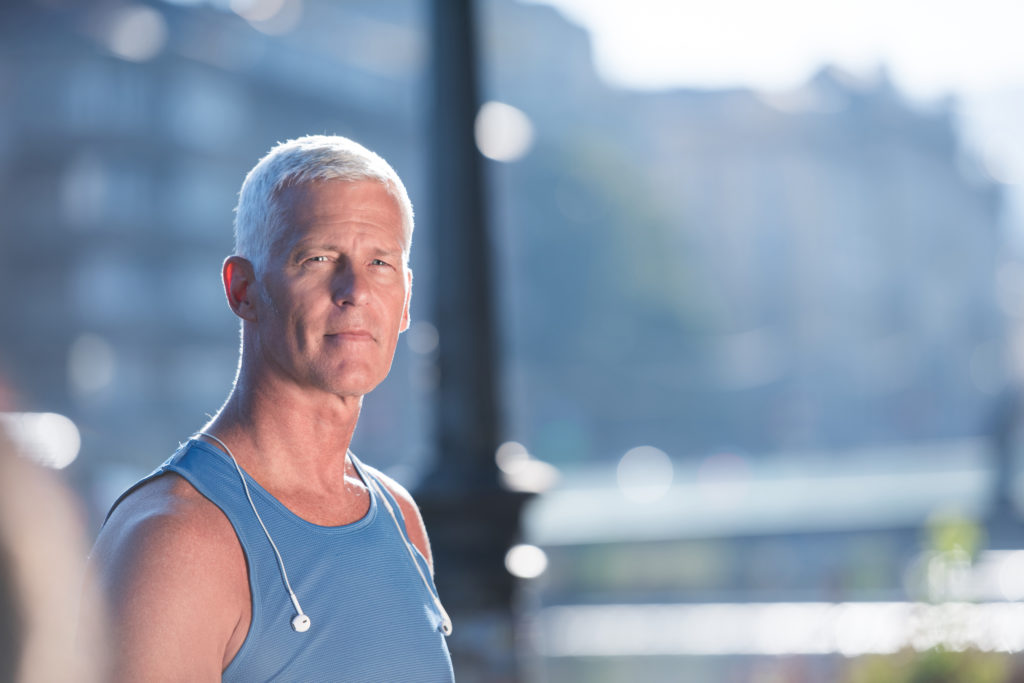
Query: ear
[408, 298]
[239, 278]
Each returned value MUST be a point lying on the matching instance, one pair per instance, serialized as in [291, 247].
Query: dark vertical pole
[471, 519]
[1003, 521]
[467, 412]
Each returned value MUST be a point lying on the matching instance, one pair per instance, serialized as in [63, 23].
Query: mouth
[351, 335]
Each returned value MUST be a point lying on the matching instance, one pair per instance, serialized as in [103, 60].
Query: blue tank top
[372, 616]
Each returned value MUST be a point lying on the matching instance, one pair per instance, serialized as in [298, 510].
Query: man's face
[336, 287]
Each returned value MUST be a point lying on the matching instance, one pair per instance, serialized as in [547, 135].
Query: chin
[354, 384]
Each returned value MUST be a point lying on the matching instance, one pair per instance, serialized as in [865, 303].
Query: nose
[349, 286]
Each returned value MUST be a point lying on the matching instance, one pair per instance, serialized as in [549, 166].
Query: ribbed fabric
[372, 617]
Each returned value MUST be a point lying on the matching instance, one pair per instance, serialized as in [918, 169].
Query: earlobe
[239, 277]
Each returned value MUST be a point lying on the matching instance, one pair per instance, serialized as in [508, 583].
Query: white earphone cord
[446, 622]
[301, 622]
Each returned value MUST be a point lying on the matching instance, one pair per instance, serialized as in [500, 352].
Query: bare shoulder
[165, 523]
[176, 581]
[413, 519]
[168, 499]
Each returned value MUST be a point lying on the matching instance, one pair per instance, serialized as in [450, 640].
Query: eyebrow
[384, 251]
[305, 247]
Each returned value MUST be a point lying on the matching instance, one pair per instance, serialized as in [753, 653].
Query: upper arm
[410, 511]
[170, 570]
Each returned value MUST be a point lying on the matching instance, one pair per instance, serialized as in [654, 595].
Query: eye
[378, 262]
[318, 259]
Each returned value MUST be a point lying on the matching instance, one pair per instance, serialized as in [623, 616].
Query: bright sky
[931, 47]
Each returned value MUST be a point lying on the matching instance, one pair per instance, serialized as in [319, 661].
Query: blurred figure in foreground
[42, 559]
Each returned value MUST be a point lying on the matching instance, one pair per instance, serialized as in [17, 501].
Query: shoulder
[165, 513]
[166, 550]
[414, 525]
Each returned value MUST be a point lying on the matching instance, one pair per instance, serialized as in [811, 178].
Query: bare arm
[175, 578]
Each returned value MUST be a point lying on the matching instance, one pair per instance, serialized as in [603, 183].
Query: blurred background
[756, 280]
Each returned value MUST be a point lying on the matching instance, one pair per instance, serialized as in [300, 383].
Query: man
[263, 549]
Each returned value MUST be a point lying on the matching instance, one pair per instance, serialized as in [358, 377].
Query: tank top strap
[376, 486]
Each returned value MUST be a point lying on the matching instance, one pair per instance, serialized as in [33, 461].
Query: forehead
[340, 203]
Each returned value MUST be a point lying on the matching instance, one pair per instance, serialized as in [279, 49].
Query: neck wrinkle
[288, 438]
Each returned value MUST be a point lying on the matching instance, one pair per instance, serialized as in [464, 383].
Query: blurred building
[128, 130]
[738, 270]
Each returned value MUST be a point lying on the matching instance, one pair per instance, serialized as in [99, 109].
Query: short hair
[311, 158]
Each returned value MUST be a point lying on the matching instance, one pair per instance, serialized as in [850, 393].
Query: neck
[286, 434]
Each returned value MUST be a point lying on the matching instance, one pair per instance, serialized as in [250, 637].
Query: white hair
[258, 216]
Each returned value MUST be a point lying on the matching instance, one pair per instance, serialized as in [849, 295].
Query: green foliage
[950, 544]
[949, 533]
[937, 665]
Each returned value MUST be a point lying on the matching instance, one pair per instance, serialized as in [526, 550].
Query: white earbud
[446, 622]
[300, 623]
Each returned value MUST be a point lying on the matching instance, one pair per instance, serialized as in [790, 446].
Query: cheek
[274, 299]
